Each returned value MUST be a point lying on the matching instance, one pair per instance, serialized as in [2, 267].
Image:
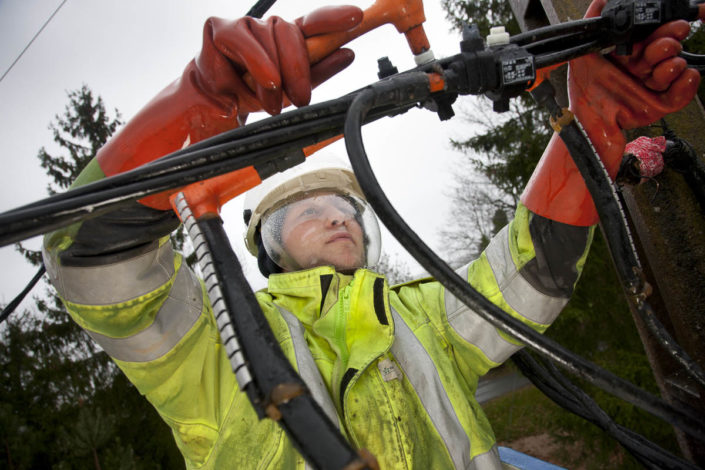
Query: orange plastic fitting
[207, 197]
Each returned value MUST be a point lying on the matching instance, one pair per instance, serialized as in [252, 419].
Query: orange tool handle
[208, 196]
[406, 15]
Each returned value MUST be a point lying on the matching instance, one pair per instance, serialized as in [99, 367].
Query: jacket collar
[309, 293]
[351, 313]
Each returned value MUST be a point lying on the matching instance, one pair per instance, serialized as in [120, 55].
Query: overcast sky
[127, 51]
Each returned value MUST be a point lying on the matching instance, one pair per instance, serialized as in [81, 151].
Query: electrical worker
[395, 368]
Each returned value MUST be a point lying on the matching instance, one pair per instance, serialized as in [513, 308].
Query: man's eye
[309, 211]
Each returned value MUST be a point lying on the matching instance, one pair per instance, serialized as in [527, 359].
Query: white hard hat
[318, 174]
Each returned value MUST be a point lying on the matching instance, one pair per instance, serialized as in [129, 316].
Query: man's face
[322, 230]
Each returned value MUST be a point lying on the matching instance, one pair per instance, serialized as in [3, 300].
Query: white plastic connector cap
[497, 37]
[424, 57]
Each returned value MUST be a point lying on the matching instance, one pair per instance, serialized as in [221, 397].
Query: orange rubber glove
[244, 66]
[609, 94]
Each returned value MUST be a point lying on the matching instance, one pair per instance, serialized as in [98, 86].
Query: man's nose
[337, 217]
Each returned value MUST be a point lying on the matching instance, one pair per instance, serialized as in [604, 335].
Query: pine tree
[62, 401]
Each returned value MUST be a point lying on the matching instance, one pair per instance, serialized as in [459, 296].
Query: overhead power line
[32, 40]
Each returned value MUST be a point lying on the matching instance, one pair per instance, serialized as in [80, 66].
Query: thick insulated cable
[220, 156]
[260, 366]
[571, 28]
[683, 417]
[260, 8]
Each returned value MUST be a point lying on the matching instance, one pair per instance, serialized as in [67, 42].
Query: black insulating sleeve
[681, 416]
[606, 201]
[112, 237]
[312, 433]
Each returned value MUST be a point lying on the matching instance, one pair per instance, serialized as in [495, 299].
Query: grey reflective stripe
[517, 292]
[421, 372]
[174, 319]
[475, 330]
[307, 366]
[114, 283]
[487, 461]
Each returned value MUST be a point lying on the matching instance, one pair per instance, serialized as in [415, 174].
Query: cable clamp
[563, 120]
[643, 290]
[282, 394]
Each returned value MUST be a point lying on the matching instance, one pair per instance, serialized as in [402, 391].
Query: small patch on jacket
[389, 370]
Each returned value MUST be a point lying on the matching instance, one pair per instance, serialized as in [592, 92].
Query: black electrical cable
[682, 416]
[306, 424]
[9, 308]
[693, 59]
[552, 58]
[169, 173]
[230, 140]
[682, 157]
[260, 8]
[559, 43]
[581, 27]
[552, 383]
[223, 146]
[53, 215]
[36, 35]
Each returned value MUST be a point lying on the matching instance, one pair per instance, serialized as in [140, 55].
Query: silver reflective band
[475, 330]
[517, 292]
[306, 366]
[308, 370]
[175, 318]
[419, 368]
[114, 283]
[487, 461]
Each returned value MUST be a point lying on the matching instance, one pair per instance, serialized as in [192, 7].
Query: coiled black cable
[552, 383]
[681, 416]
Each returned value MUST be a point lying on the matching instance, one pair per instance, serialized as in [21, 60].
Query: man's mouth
[339, 236]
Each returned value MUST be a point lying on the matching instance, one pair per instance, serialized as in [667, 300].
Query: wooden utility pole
[669, 224]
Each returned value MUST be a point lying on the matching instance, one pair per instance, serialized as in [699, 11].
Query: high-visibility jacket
[396, 368]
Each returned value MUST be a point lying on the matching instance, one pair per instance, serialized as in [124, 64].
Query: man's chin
[348, 268]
